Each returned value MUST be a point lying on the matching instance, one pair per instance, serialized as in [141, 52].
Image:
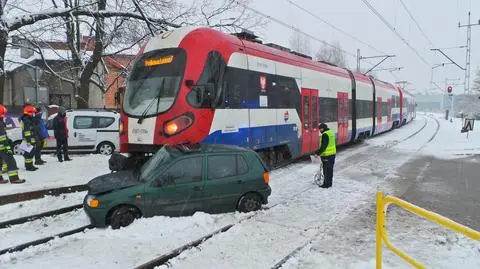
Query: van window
[83, 122]
[50, 124]
[104, 122]
[223, 166]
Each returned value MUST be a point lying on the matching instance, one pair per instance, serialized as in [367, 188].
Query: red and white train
[197, 84]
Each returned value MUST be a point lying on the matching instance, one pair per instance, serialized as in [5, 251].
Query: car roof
[201, 148]
[90, 112]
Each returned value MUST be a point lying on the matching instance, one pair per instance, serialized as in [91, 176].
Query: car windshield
[154, 82]
[155, 164]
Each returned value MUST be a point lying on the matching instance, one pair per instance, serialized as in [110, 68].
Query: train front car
[172, 89]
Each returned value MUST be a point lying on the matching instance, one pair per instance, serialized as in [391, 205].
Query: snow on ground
[54, 174]
[127, 247]
[336, 226]
[31, 207]
[451, 143]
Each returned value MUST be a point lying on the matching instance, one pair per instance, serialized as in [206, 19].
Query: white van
[89, 130]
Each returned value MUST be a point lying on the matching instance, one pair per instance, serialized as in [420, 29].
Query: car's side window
[183, 172]
[223, 166]
[83, 122]
[50, 124]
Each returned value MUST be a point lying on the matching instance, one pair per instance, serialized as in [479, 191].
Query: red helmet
[29, 110]
[3, 111]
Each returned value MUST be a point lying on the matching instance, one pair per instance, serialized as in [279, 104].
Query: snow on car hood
[112, 181]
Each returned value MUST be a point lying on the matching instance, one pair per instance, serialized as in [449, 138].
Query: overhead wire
[376, 13]
[416, 23]
[333, 26]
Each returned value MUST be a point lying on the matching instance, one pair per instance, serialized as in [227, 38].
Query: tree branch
[33, 18]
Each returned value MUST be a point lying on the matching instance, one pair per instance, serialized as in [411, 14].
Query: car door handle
[197, 188]
[75, 134]
[240, 181]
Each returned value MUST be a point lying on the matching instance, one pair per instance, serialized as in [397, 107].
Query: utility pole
[359, 58]
[468, 52]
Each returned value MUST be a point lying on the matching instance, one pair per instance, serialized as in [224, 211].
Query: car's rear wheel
[249, 202]
[105, 148]
[123, 216]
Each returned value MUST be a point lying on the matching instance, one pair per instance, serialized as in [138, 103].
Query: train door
[389, 110]
[307, 127]
[315, 134]
[343, 110]
[379, 114]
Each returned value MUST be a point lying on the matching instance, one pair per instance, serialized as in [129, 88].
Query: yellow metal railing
[382, 235]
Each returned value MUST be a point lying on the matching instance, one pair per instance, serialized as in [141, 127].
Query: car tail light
[178, 124]
[121, 129]
[266, 177]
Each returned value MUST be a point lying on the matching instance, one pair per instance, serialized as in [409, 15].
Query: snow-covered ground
[54, 174]
[332, 228]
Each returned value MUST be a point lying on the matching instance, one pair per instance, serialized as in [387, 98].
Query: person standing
[60, 131]
[6, 154]
[29, 135]
[41, 134]
[327, 152]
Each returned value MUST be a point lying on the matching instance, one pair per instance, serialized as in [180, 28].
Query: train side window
[236, 87]
[213, 73]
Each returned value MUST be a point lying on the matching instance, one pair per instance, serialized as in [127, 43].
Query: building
[29, 80]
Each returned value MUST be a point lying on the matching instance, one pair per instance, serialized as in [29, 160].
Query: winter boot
[14, 179]
[3, 181]
[60, 158]
[30, 167]
[66, 158]
[40, 162]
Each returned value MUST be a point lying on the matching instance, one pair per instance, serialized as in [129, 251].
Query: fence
[382, 235]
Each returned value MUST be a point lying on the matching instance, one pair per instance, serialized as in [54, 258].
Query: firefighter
[41, 134]
[6, 154]
[327, 153]
[29, 135]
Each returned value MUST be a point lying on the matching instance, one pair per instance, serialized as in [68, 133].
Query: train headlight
[121, 128]
[178, 124]
[93, 202]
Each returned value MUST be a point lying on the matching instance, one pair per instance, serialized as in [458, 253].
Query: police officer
[6, 154]
[29, 135]
[327, 153]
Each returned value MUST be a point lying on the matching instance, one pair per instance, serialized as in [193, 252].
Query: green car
[178, 181]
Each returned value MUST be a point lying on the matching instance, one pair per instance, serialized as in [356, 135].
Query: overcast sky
[437, 18]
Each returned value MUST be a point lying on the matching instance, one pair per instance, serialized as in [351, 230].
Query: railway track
[280, 263]
[165, 258]
[25, 196]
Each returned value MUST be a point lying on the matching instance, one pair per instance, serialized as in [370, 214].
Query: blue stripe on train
[259, 137]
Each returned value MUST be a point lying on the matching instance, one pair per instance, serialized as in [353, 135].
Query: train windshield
[154, 82]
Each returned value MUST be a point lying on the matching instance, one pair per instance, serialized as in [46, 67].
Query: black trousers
[38, 149]
[9, 160]
[62, 146]
[328, 162]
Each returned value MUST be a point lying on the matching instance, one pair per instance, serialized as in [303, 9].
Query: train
[199, 85]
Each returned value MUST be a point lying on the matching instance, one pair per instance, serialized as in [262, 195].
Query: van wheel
[16, 148]
[105, 148]
[249, 202]
[123, 216]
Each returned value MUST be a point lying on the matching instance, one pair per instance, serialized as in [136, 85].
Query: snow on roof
[13, 59]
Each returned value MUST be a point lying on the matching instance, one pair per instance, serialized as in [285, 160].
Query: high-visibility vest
[331, 147]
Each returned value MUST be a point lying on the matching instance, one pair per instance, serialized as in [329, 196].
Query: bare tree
[299, 42]
[332, 55]
[113, 26]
